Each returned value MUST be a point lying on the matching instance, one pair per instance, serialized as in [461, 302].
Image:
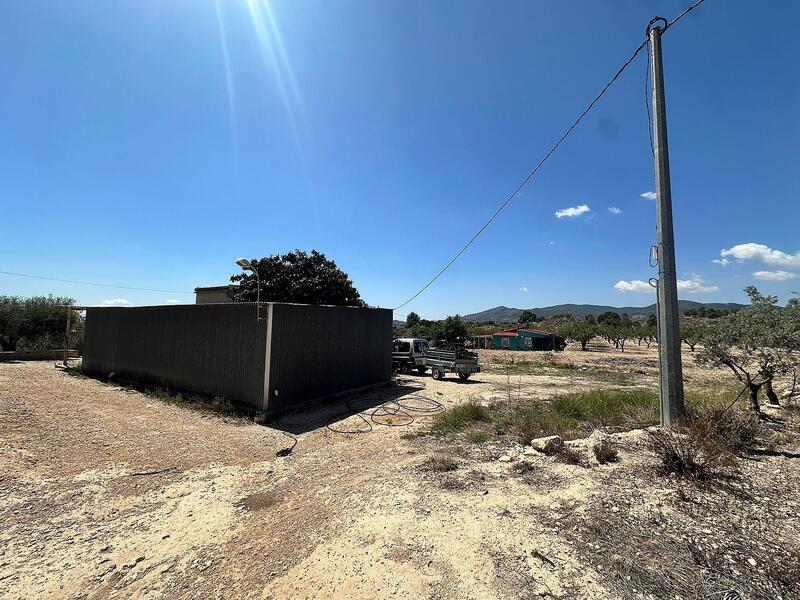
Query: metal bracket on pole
[669, 349]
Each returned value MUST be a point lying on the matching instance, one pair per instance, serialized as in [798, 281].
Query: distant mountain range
[504, 314]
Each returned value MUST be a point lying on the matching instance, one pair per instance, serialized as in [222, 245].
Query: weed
[568, 456]
[440, 463]
[523, 467]
[605, 452]
[76, 371]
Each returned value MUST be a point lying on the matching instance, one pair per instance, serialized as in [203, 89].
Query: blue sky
[140, 147]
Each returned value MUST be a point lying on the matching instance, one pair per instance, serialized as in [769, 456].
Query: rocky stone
[505, 458]
[548, 445]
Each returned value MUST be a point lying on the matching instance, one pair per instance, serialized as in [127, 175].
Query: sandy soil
[109, 493]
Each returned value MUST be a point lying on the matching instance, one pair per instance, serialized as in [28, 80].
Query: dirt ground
[107, 492]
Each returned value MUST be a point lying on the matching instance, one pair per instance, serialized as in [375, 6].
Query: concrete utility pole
[669, 337]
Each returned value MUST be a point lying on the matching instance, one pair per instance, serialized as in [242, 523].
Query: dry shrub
[707, 443]
[440, 463]
[569, 456]
[691, 451]
[605, 452]
[736, 430]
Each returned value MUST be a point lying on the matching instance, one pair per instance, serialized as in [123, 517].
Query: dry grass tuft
[605, 452]
[440, 463]
[708, 442]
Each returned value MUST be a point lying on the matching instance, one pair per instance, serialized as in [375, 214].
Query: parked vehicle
[452, 360]
[408, 354]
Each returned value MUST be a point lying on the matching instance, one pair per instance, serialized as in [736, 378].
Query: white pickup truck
[409, 353]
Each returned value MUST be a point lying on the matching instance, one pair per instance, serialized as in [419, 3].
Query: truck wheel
[463, 376]
[436, 374]
[421, 370]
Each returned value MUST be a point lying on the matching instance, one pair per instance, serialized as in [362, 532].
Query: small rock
[505, 458]
[548, 445]
[752, 562]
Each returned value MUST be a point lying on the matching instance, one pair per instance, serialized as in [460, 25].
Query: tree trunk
[583, 344]
[754, 397]
[771, 395]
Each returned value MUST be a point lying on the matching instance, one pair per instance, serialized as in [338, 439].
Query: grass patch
[460, 417]
[569, 416]
[603, 408]
[478, 437]
[528, 421]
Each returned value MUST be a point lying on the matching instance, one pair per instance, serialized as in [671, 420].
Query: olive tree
[756, 343]
[693, 333]
[578, 331]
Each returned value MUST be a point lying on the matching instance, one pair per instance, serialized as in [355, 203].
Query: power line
[683, 14]
[105, 285]
[546, 156]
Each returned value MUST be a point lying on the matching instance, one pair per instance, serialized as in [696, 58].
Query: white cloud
[649, 195]
[692, 286]
[552, 242]
[572, 211]
[614, 210]
[695, 285]
[115, 302]
[764, 253]
[721, 261]
[774, 275]
[174, 301]
[635, 285]
[523, 289]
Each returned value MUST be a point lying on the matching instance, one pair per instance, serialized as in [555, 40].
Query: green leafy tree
[11, 316]
[35, 323]
[527, 317]
[412, 320]
[609, 319]
[578, 331]
[450, 330]
[756, 344]
[298, 277]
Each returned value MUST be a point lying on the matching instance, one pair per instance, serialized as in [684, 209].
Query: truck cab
[409, 353]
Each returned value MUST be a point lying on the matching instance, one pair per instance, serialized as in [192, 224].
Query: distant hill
[504, 314]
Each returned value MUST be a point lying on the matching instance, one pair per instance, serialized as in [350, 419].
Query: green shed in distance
[527, 339]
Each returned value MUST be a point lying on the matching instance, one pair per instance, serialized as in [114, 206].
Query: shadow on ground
[374, 407]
